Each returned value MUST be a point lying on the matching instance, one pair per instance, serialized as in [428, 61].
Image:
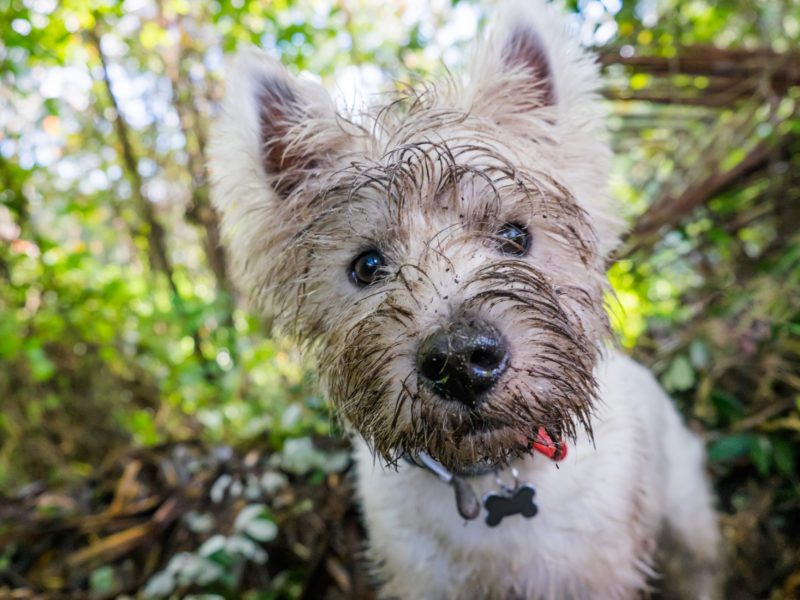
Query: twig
[157, 238]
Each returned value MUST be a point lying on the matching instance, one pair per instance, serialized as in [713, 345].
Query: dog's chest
[589, 538]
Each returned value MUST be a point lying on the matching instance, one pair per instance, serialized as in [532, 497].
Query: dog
[442, 256]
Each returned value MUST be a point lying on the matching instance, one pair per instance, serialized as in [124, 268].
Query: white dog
[443, 258]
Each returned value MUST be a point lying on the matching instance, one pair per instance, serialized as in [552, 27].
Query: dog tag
[519, 501]
[466, 501]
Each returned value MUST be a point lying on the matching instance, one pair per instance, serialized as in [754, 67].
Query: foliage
[119, 326]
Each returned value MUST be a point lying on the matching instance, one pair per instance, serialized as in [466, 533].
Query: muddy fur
[427, 183]
[371, 364]
[429, 188]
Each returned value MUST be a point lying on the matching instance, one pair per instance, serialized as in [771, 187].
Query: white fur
[576, 142]
[596, 508]
[581, 141]
[603, 509]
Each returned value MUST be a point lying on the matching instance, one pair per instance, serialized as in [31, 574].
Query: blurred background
[156, 442]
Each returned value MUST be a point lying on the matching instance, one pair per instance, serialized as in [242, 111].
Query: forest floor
[109, 536]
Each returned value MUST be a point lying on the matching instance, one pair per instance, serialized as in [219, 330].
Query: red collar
[556, 451]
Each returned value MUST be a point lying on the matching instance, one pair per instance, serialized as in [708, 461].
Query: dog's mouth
[479, 425]
[484, 446]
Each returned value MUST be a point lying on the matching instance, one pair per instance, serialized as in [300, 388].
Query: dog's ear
[532, 78]
[523, 50]
[273, 143]
[531, 62]
[274, 128]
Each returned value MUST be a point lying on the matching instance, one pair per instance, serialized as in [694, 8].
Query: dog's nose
[463, 360]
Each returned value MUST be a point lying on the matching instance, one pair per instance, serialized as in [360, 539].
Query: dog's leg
[689, 545]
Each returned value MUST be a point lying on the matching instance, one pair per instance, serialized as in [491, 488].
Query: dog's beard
[549, 383]
[501, 427]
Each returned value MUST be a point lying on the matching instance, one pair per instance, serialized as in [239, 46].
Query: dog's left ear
[533, 79]
[531, 62]
[523, 53]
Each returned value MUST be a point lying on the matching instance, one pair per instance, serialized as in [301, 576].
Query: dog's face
[444, 257]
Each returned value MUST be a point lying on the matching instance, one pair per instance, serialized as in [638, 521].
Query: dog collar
[509, 500]
[556, 451]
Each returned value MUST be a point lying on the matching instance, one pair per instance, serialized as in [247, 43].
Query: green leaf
[262, 530]
[212, 545]
[247, 514]
[680, 375]
[244, 547]
[760, 454]
[783, 457]
[160, 585]
[102, 580]
[698, 354]
[727, 405]
[729, 448]
[42, 368]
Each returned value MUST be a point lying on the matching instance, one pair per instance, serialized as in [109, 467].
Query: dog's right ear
[274, 128]
[272, 145]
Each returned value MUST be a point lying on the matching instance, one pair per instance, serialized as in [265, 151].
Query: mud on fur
[443, 258]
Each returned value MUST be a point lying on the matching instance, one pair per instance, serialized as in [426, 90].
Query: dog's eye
[513, 239]
[367, 268]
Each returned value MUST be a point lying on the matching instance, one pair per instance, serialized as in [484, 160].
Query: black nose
[463, 360]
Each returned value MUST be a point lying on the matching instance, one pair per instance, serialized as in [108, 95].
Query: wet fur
[427, 180]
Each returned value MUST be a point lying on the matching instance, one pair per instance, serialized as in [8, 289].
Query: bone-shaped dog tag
[519, 501]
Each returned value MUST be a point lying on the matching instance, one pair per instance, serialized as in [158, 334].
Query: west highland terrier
[443, 258]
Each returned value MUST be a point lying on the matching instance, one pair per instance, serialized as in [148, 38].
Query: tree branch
[668, 211]
[157, 245]
[735, 74]
[199, 211]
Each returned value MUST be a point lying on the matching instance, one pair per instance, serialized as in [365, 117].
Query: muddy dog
[442, 256]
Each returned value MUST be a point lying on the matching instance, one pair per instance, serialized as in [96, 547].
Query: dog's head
[443, 255]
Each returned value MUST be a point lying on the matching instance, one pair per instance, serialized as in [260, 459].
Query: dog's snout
[463, 360]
